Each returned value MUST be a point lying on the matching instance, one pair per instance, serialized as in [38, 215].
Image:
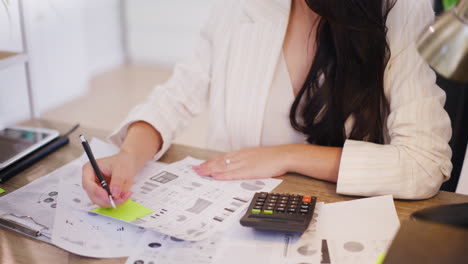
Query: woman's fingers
[218, 164]
[251, 163]
[94, 190]
[124, 197]
[121, 181]
[118, 174]
[236, 174]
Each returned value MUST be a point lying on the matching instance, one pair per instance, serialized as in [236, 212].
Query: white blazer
[232, 70]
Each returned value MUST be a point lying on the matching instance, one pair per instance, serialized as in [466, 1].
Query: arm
[416, 157]
[315, 161]
[150, 127]
[271, 161]
[171, 106]
[142, 143]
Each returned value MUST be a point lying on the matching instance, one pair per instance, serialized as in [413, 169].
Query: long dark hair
[346, 78]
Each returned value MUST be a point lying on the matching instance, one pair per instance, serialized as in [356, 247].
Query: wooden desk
[16, 248]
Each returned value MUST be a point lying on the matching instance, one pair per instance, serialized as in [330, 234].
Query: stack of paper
[357, 231]
[176, 216]
[171, 199]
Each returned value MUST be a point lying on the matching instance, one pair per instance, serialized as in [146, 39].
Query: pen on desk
[93, 162]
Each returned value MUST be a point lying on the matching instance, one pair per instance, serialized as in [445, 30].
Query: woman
[331, 89]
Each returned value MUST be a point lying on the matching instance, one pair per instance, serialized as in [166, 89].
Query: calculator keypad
[281, 203]
[275, 211]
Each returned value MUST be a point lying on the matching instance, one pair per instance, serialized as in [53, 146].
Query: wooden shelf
[8, 59]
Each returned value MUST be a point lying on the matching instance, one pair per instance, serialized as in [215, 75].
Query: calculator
[281, 212]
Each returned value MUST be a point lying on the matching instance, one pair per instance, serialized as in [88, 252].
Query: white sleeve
[416, 159]
[173, 104]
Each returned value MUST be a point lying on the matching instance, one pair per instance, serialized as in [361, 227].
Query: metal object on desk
[23, 224]
[444, 44]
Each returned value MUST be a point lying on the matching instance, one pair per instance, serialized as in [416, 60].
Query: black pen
[93, 162]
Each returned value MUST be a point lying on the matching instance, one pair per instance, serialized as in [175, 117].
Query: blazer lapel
[254, 51]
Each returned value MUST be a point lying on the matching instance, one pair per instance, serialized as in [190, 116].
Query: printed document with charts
[191, 207]
[185, 206]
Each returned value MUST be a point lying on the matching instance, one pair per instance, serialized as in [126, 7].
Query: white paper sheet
[89, 234]
[38, 200]
[188, 206]
[166, 189]
[308, 248]
[41, 200]
[358, 231]
[235, 245]
[86, 233]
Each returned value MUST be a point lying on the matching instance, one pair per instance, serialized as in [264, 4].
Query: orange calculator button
[306, 199]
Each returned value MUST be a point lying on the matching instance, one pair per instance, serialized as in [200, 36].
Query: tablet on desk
[18, 141]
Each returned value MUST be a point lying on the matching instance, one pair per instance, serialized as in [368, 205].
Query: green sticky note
[2, 191]
[127, 211]
[381, 258]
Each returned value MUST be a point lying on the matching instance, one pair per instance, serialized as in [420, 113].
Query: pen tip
[112, 202]
[83, 139]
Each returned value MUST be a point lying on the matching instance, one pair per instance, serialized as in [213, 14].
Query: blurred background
[90, 62]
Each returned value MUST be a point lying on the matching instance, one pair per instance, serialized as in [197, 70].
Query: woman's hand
[118, 170]
[140, 145]
[251, 163]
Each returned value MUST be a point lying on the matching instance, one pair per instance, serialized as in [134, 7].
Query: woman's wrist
[315, 161]
[131, 158]
[141, 143]
[286, 157]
